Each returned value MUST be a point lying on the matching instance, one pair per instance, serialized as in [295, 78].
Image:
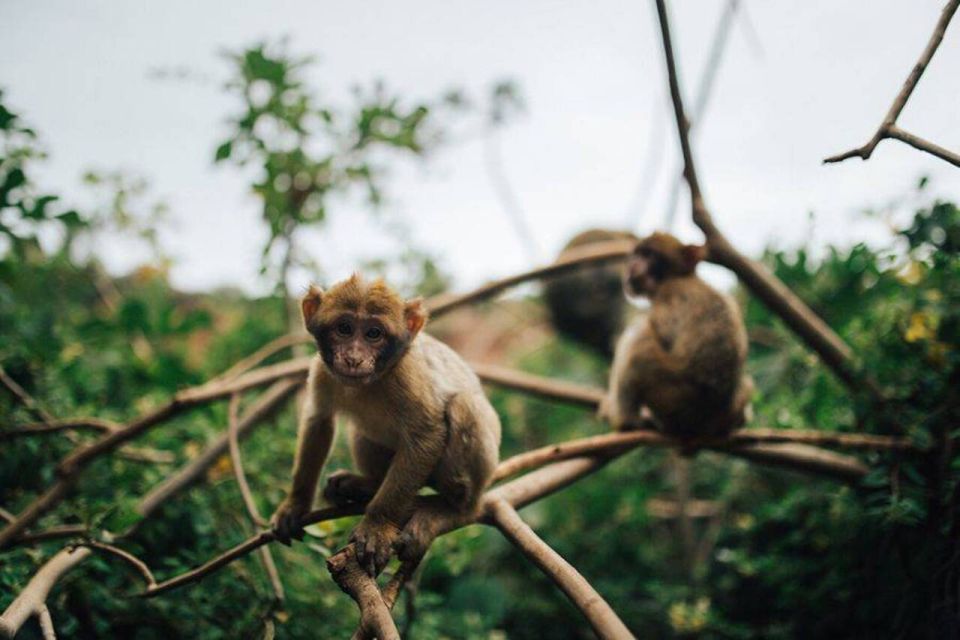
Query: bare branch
[32, 600]
[46, 623]
[23, 397]
[605, 622]
[612, 251]
[236, 460]
[132, 560]
[271, 348]
[548, 388]
[888, 128]
[51, 426]
[763, 284]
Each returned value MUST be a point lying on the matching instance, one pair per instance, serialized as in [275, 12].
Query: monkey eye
[344, 328]
[374, 333]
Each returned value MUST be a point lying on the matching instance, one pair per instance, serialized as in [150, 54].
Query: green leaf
[224, 151]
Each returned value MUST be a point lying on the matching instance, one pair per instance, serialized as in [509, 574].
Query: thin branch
[51, 533]
[233, 436]
[548, 388]
[701, 100]
[375, 618]
[132, 560]
[612, 251]
[260, 410]
[603, 619]
[29, 403]
[760, 281]
[391, 592]
[257, 357]
[52, 426]
[233, 440]
[46, 623]
[888, 128]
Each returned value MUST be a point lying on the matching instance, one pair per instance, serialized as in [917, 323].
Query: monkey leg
[372, 459]
[461, 476]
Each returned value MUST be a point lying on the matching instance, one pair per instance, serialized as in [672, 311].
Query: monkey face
[358, 348]
[644, 272]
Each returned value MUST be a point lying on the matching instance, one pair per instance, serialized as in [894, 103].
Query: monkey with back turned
[684, 361]
[418, 417]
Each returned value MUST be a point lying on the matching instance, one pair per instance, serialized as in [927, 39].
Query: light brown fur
[424, 420]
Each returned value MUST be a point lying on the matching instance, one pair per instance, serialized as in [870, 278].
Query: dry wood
[888, 128]
[603, 619]
[760, 281]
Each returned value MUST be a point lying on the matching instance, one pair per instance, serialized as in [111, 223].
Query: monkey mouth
[355, 378]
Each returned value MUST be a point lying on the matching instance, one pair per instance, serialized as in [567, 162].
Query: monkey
[588, 306]
[684, 362]
[418, 417]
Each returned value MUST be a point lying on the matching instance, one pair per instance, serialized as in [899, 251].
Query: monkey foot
[344, 488]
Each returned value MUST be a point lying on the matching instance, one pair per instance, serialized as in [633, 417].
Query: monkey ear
[693, 254]
[310, 303]
[414, 315]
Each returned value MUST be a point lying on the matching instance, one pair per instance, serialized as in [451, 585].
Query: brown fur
[685, 360]
[421, 420]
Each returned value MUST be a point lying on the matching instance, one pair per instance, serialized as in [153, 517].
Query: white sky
[591, 73]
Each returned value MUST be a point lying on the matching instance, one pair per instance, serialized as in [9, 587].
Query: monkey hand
[286, 521]
[373, 539]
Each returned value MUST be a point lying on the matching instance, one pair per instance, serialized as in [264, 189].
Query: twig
[763, 284]
[888, 128]
[51, 426]
[72, 466]
[236, 459]
[23, 397]
[605, 622]
[135, 562]
[52, 533]
[271, 348]
[718, 46]
[265, 405]
[595, 253]
[266, 557]
[548, 388]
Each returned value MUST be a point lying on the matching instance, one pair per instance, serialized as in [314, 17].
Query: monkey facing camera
[418, 417]
[684, 361]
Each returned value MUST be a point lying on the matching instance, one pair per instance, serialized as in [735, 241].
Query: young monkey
[684, 362]
[418, 417]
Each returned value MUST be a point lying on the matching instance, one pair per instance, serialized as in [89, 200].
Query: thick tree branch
[763, 284]
[888, 128]
[605, 622]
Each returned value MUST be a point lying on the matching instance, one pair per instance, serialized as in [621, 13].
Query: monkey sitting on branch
[418, 417]
[684, 361]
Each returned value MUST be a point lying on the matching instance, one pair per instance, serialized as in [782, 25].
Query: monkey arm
[314, 439]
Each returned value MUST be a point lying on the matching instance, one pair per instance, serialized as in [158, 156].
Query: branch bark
[605, 622]
[763, 284]
[888, 128]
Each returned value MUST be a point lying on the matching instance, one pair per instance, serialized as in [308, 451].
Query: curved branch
[603, 619]
[612, 251]
[51, 426]
[760, 281]
[888, 128]
[132, 560]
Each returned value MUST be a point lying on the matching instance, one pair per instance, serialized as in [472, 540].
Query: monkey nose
[352, 361]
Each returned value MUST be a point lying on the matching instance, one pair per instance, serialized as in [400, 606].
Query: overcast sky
[799, 81]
